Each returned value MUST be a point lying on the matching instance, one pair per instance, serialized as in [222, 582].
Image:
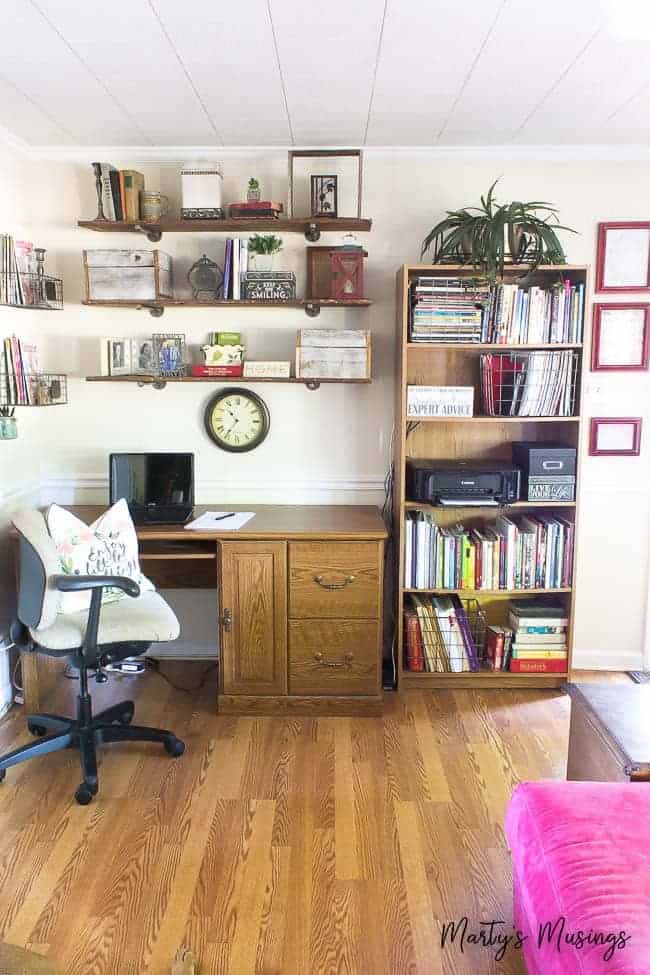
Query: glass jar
[8, 428]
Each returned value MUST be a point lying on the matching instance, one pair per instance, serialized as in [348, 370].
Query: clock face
[237, 420]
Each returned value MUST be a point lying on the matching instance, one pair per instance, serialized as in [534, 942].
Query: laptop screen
[146, 480]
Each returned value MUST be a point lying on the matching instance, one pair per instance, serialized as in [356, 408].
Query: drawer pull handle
[334, 585]
[346, 662]
[227, 620]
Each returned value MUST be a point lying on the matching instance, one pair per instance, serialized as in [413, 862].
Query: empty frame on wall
[623, 257]
[615, 436]
[620, 337]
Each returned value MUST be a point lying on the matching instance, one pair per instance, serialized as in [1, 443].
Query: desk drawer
[333, 657]
[334, 580]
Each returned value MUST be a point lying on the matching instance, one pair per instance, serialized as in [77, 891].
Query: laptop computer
[158, 487]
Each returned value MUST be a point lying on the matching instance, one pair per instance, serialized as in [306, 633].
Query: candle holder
[97, 169]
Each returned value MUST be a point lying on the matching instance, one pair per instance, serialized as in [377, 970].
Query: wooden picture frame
[620, 337]
[623, 257]
[602, 436]
[326, 154]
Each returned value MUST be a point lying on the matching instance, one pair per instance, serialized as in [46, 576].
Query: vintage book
[107, 192]
[494, 646]
[526, 653]
[523, 666]
[227, 269]
[115, 192]
[549, 640]
[133, 185]
[414, 644]
[216, 371]
[535, 631]
[236, 278]
[225, 338]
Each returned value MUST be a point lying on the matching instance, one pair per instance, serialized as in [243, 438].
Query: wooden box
[127, 275]
[333, 354]
[320, 279]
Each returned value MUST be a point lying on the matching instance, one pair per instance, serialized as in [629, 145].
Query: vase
[263, 262]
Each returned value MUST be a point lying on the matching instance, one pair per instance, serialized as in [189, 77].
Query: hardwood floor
[275, 845]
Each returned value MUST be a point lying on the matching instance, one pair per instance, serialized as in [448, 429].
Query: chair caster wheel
[36, 729]
[174, 747]
[3, 772]
[83, 795]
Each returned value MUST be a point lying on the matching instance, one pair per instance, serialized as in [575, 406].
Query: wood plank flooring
[282, 846]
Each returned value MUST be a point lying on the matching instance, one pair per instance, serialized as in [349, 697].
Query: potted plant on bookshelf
[492, 235]
[253, 193]
[263, 248]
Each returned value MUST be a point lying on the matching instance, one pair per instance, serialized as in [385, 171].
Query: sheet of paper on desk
[220, 521]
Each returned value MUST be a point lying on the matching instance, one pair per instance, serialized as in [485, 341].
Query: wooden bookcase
[474, 438]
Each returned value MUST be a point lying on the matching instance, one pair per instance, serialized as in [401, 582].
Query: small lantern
[346, 264]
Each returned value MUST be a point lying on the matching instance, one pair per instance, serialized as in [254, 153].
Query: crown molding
[133, 155]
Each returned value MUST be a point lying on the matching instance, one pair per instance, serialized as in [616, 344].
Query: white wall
[330, 445]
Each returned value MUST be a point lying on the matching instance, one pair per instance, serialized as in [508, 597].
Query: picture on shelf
[169, 353]
[324, 195]
[145, 362]
[119, 357]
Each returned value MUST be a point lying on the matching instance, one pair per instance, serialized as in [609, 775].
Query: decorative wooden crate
[333, 354]
[127, 275]
[322, 282]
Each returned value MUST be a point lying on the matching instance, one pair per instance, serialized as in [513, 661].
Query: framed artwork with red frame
[615, 436]
[620, 337]
[623, 257]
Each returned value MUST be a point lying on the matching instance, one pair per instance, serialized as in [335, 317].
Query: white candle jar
[201, 191]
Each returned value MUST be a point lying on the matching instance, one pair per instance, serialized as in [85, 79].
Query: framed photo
[615, 436]
[169, 353]
[621, 337]
[143, 358]
[324, 196]
[623, 257]
[119, 357]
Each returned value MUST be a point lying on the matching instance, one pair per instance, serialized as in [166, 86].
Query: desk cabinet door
[254, 617]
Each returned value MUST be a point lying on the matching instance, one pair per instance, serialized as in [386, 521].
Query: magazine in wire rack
[529, 383]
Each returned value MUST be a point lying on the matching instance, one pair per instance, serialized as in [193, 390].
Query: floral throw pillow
[107, 547]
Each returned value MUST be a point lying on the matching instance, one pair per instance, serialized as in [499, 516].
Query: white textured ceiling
[295, 72]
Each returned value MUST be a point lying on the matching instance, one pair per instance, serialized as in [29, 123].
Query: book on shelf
[438, 635]
[538, 666]
[448, 309]
[540, 636]
[19, 372]
[529, 552]
[541, 383]
[120, 193]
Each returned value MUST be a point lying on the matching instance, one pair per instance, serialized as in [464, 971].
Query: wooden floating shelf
[418, 505]
[490, 346]
[311, 227]
[506, 593]
[156, 307]
[161, 381]
[492, 419]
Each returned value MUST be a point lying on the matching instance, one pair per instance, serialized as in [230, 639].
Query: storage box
[127, 275]
[332, 354]
[548, 470]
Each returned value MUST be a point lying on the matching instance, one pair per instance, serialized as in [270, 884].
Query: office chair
[90, 639]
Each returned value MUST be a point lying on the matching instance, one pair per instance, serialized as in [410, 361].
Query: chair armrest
[75, 583]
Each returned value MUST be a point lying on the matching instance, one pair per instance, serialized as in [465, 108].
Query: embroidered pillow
[107, 547]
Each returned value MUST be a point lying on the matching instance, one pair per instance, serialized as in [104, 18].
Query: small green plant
[253, 184]
[478, 236]
[264, 244]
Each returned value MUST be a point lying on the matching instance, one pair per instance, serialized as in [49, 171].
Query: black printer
[465, 483]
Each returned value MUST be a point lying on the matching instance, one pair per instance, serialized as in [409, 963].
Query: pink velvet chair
[581, 851]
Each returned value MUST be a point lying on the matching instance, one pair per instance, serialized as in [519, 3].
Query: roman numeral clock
[237, 420]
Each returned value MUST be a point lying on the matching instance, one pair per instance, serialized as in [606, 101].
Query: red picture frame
[601, 257]
[597, 421]
[596, 364]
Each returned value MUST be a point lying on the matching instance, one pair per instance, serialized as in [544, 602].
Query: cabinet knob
[345, 662]
[227, 620]
[333, 585]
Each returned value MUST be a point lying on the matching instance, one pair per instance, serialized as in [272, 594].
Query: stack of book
[19, 373]
[539, 644]
[235, 267]
[121, 193]
[530, 552]
[447, 310]
[534, 315]
[439, 637]
[529, 384]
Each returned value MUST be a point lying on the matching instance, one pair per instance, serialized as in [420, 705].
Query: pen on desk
[221, 517]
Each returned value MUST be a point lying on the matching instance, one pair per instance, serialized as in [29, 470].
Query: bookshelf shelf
[477, 438]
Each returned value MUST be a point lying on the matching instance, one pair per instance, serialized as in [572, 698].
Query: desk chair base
[86, 732]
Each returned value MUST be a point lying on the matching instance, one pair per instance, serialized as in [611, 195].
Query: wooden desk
[300, 605]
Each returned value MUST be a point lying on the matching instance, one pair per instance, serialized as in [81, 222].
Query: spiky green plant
[264, 244]
[477, 236]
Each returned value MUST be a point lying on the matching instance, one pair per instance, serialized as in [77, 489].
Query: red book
[523, 666]
[414, 643]
[494, 646]
[258, 205]
[215, 371]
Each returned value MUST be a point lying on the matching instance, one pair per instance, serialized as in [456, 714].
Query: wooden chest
[127, 275]
[609, 739]
[333, 354]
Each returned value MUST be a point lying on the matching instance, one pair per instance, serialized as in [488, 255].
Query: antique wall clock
[237, 419]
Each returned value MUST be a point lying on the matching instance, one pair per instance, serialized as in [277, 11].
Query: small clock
[237, 420]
